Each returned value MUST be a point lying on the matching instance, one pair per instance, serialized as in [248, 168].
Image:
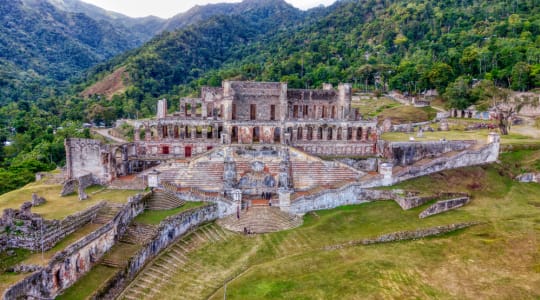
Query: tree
[520, 76]
[458, 93]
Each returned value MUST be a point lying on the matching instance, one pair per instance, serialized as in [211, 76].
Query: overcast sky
[169, 8]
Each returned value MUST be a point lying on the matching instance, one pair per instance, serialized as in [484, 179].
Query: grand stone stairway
[260, 219]
[163, 200]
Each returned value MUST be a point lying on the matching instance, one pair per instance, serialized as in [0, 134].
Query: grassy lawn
[405, 114]
[499, 259]
[58, 207]
[374, 106]
[154, 217]
[480, 135]
[88, 284]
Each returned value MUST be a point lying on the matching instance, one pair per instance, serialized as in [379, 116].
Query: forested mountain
[43, 43]
[411, 46]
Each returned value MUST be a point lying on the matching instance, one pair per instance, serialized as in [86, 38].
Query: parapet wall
[168, 232]
[469, 157]
[69, 265]
[407, 153]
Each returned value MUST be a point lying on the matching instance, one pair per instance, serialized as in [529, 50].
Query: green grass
[58, 207]
[374, 106]
[406, 114]
[499, 259]
[88, 284]
[154, 217]
[479, 135]
[7, 261]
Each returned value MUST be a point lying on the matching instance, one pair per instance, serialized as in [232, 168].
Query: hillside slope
[411, 46]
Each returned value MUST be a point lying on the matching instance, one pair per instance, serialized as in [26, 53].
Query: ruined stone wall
[169, 230]
[70, 264]
[469, 157]
[443, 206]
[354, 193]
[364, 165]
[407, 153]
[33, 232]
[84, 156]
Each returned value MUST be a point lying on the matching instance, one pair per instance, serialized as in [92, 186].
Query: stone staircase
[260, 219]
[203, 175]
[174, 263]
[107, 213]
[163, 200]
[309, 174]
[138, 233]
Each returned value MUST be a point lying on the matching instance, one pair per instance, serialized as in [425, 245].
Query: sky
[169, 8]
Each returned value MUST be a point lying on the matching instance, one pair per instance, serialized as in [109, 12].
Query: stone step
[260, 220]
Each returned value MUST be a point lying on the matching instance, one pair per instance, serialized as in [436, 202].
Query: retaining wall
[407, 153]
[168, 232]
[70, 264]
[34, 232]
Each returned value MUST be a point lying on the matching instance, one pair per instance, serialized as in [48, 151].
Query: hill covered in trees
[410, 46]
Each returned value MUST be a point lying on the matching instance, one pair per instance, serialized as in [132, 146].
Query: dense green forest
[411, 46]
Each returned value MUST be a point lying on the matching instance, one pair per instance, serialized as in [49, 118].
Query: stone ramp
[260, 219]
[174, 263]
[138, 233]
[163, 200]
[107, 213]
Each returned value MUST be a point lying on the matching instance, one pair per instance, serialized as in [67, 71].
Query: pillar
[137, 134]
[364, 133]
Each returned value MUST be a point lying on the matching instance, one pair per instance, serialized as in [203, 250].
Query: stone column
[294, 137]
[385, 169]
[193, 132]
[304, 133]
[170, 131]
[364, 134]
[182, 108]
[137, 134]
[315, 133]
[204, 132]
[147, 133]
[204, 110]
[325, 133]
[335, 134]
[284, 199]
[354, 129]
[159, 131]
[193, 108]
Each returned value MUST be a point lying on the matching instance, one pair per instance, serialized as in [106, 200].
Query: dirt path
[105, 133]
